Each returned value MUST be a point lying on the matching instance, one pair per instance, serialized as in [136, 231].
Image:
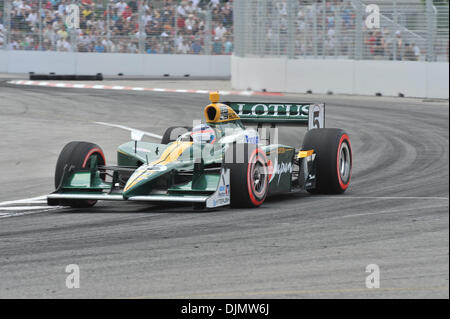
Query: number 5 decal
[316, 116]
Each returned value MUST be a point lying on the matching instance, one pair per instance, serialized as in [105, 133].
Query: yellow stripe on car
[170, 154]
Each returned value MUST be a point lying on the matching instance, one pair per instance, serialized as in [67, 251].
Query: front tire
[249, 177]
[78, 155]
[333, 159]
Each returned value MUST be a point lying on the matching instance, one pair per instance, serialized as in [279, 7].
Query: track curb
[131, 88]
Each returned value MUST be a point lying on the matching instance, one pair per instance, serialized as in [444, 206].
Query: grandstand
[118, 26]
[303, 29]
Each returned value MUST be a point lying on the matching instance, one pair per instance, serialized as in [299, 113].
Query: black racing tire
[174, 132]
[78, 155]
[249, 175]
[333, 160]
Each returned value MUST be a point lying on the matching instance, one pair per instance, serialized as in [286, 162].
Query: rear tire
[249, 179]
[78, 155]
[333, 159]
[174, 132]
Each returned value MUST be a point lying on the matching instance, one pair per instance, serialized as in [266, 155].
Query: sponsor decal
[262, 109]
[277, 169]
[252, 139]
[226, 114]
[223, 113]
[316, 117]
[224, 190]
[222, 196]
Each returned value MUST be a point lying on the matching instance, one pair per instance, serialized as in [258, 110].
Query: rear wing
[296, 114]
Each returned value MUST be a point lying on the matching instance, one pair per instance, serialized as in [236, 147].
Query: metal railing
[116, 26]
[415, 30]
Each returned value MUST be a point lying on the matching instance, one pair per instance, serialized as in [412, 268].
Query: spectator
[190, 23]
[196, 47]
[121, 6]
[217, 46]
[228, 47]
[220, 31]
[99, 48]
[416, 50]
[408, 53]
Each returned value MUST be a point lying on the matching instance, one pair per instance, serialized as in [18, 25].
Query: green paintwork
[82, 180]
[209, 184]
[129, 155]
[169, 179]
[160, 178]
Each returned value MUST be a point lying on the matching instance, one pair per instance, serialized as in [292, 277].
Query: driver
[203, 134]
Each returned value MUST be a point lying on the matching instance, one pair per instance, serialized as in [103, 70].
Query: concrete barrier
[413, 79]
[113, 63]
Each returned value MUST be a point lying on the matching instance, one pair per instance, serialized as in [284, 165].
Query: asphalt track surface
[395, 213]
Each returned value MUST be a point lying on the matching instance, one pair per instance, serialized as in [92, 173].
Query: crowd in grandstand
[167, 26]
[330, 30]
[191, 27]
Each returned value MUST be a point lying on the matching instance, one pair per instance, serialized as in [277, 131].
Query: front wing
[221, 197]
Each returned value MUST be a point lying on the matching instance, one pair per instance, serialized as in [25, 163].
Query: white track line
[7, 210]
[28, 210]
[15, 208]
[381, 197]
[24, 201]
[15, 214]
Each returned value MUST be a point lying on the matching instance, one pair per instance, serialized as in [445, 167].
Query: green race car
[216, 163]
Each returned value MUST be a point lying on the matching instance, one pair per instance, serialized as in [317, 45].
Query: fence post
[108, 25]
[208, 30]
[358, 31]
[175, 31]
[315, 31]
[73, 30]
[396, 25]
[236, 18]
[6, 23]
[40, 25]
[430, 30]
[141, 27]
[337, 33]
[324, 28]
[291, 29]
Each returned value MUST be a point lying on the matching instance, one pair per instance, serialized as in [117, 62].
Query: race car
[231, 158]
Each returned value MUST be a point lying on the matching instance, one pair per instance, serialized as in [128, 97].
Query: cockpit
[212, 133]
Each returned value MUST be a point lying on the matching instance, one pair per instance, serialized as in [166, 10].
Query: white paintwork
[413, 79]
[114, 63]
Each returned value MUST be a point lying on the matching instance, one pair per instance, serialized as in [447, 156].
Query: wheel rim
[345, 162]
[259, 179]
